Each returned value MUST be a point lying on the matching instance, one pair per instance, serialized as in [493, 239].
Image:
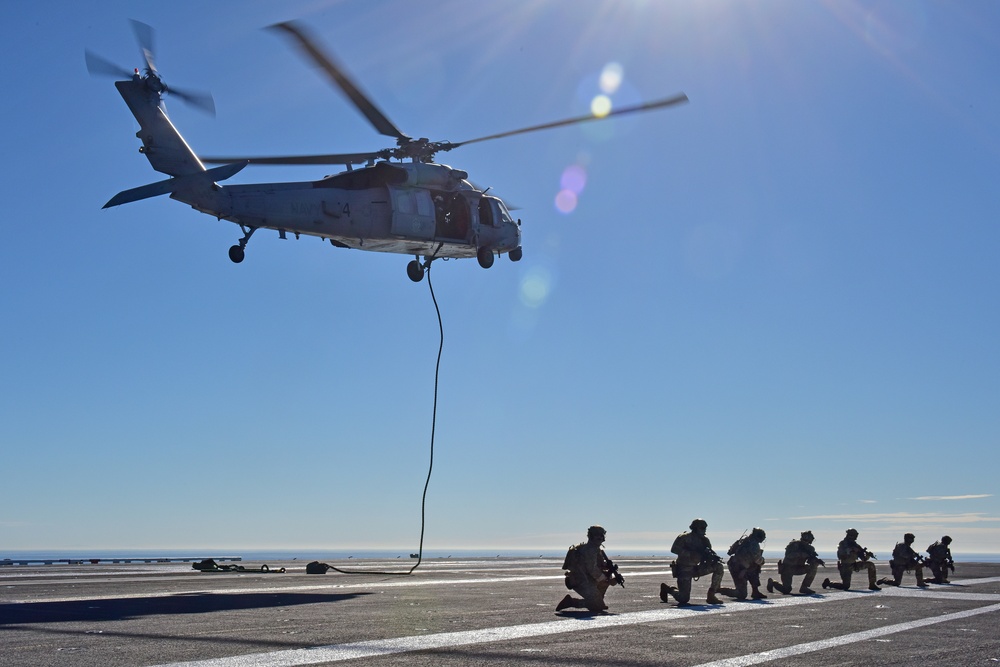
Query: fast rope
[430, 467]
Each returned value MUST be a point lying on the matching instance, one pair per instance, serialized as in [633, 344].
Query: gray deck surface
[473, 612]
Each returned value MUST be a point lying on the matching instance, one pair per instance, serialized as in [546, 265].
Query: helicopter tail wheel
[236, 252]
[415, 270]
[485, 257]
[515, 254]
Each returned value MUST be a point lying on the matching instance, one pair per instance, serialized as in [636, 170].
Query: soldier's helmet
[946, 539]
[699, 524]
[758, 534]
[596, 531]
[851, 533]
[807, 536]
[909, 537]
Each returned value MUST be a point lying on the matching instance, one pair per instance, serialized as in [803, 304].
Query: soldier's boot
[757, 595]
[805, 590]
[920, 580]
[565, 602]
[835, 584]
[773, 585]
[666, 592]
[711, 598]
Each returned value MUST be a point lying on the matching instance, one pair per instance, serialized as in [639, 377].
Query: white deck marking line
[381, 647]
[810, 647]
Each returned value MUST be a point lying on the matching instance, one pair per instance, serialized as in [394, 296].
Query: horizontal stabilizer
[177, 183]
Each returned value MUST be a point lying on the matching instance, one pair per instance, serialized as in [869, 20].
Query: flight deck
[481, 611]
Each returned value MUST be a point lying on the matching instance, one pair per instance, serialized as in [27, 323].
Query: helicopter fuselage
[413, 208]
[406, 208]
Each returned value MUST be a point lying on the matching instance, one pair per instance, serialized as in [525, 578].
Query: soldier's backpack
[572, 558]
[735, 547]
[572, 566]
[795, 555]
[743, 551]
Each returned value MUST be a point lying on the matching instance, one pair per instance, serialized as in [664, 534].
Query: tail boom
[188, 183]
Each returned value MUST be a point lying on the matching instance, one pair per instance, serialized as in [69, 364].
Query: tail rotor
[100, 66]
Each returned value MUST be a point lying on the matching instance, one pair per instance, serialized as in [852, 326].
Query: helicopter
[400, 200]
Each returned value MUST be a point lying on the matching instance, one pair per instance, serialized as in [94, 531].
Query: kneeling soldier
[853, 558]
[800, 558]
[588, 572]
[695, 558]
[746, 557]
[940, 561]
[904, 559]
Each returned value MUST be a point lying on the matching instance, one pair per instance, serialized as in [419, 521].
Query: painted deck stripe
[383, 647]
[810, 647]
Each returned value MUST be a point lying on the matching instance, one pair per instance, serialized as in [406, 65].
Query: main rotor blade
[203, 101]
[308, 46]
[144, 35]
[645, 106]
[99, 66]
[335, 158]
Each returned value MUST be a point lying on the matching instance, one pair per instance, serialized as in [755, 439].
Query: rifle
[709, 556]
[611, 570]
[867, 555]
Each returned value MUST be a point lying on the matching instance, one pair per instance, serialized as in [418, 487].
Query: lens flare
[536, 287]
[574, 178]
[566, 201]
[611, 78]
[600, 106]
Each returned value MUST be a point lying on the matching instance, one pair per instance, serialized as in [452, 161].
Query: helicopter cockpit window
[504, 213]
[486, 213]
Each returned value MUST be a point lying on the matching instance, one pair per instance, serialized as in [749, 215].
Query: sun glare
[611, 78]
[600, 106]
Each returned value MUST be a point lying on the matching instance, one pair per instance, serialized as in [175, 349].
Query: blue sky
[775, 305]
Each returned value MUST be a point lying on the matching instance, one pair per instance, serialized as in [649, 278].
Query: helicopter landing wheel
[236, 254]
[415, 270]
[485, 257]
[515, 254]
